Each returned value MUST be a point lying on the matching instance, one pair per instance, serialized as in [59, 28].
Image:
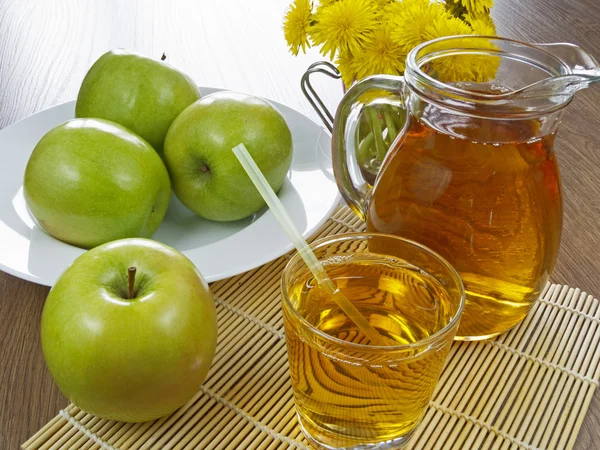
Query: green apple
[140, 93]
[206, 175]
[129, 356]
[91, 181]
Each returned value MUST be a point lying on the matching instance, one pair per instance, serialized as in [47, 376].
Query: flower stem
[375, 123]
[364, 148]
[391, 127]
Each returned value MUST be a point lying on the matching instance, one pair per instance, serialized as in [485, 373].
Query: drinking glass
[348, 392]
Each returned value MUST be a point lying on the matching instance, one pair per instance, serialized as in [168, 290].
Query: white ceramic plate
[219, 250]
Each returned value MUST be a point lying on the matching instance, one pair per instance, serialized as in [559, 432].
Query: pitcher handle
[354, 188]
[311, 95]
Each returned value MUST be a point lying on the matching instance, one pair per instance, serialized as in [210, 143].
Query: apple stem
[163, 57]
[131, 281]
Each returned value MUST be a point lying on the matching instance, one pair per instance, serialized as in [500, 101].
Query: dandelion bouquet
[369, 37]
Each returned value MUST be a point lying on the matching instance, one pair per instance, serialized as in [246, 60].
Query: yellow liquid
[346, 396]
[485, 197]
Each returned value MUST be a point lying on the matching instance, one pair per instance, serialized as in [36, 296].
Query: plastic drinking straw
[301, 245]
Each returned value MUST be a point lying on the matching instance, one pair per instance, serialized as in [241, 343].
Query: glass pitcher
[472, 173]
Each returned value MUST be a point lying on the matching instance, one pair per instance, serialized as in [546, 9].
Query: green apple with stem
[90, 181]
[129, 330]
[140, 93]
[205, 174]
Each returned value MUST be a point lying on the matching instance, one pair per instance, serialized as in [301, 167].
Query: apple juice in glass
[348, 392]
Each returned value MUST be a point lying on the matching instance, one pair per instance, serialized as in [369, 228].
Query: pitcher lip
[414, 74]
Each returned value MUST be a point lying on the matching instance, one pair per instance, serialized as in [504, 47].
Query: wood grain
[47, 46]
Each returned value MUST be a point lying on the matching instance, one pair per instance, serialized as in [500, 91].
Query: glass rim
[368, 347]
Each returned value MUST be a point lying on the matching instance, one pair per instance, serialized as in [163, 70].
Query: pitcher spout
[574, 57]
[580, 69]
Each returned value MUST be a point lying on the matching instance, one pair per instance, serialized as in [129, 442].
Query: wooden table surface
[46, 47]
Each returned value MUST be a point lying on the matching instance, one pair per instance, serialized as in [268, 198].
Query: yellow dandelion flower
[381, 54]
[343, 26]
[410, 20]
[450, 68]
[449, 26]
[455, 8]
[392, 9]
[485, 67]
[382, 3]
[295, 26]
[374, 2]
[476, 6]
[482, 24]
[346, 64]
[464, 67]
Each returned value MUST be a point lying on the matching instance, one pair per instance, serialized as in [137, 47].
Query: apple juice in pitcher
[487, 198]
[472, 172]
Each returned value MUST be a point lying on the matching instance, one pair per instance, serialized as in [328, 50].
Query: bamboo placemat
[528, 389]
